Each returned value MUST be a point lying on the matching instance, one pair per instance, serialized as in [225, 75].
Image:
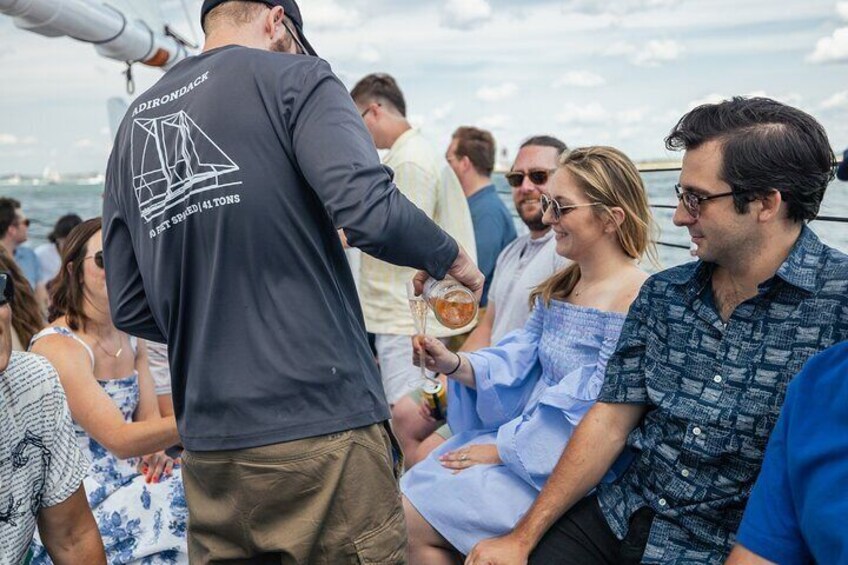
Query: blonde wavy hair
[608, 176]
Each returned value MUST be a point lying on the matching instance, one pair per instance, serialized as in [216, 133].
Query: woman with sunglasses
[514, 406]
[134, 491]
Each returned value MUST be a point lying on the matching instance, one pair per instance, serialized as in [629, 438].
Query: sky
[609, 72]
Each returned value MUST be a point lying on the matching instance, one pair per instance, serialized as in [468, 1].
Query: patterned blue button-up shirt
[713, 393]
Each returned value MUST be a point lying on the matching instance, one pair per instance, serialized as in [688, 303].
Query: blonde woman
[514, 406]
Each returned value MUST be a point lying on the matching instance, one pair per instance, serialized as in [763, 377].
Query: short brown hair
[67, 294]
[8, 214]
[381, 88]
[237, 12]
[479, 146]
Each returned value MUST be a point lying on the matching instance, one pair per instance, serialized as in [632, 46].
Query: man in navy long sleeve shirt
[224, 190]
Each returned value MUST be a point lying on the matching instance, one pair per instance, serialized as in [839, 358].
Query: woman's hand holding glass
[438, 358]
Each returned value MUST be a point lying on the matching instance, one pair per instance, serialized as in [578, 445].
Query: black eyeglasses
[537, 176]
[368, 109]
[98, 259]
[7, 289]
[692, 202]
[560, 210]
[25, 222]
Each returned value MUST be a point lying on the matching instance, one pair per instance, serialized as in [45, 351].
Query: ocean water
[44, 204]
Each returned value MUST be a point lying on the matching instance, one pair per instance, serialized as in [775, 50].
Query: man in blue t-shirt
[796, 513]
[471, 155]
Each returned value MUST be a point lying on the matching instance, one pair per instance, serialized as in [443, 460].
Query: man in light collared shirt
[422, 176]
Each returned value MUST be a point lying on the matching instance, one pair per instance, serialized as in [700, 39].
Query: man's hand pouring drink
[463, 270]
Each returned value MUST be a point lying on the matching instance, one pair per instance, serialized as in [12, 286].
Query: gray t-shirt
[522, 266]
[224, 190]
[41, 464]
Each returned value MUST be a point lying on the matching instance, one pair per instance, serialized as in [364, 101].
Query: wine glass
[418, 307]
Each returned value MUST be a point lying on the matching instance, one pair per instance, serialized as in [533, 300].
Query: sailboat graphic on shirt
[172, 158]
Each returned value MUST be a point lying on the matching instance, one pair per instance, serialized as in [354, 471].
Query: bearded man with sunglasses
[224, 190]
[708, 349]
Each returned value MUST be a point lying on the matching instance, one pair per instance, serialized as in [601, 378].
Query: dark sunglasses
[560, 210]
[25, 222]
[7, 289]
[98, 259]
[692, 202]
[537, 176]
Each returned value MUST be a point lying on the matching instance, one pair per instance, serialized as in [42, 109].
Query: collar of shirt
[399, 143]
[800, 268]
[482, 193]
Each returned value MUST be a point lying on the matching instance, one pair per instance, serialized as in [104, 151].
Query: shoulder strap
[61, 330]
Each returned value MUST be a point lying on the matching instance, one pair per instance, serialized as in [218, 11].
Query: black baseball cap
[289, 6]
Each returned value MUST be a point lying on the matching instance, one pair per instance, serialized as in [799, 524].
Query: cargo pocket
[385, 545]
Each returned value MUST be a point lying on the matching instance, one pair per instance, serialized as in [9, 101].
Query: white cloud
[441, 112]
[842, 10]
[497, 93]
[369, 54]
[580, 79]
[582, 114]
[657, 51]
[328, 14]
[632, 116]
[9, 139]
[494, 122]
[615, 7]
[466, 14]
[432, 118]
[833, 49]
[712, 98]
[619, 48]
[838, 100]
[652, 54]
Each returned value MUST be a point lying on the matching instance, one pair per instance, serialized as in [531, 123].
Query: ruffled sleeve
[505, 376]
[531, 444]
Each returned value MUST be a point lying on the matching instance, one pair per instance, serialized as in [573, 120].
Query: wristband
[458, 365]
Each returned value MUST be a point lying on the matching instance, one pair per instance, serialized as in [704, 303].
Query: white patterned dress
[140, 523]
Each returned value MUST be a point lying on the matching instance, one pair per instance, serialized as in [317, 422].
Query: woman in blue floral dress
[134, 490]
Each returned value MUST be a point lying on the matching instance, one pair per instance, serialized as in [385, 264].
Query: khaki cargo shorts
[330, 499]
